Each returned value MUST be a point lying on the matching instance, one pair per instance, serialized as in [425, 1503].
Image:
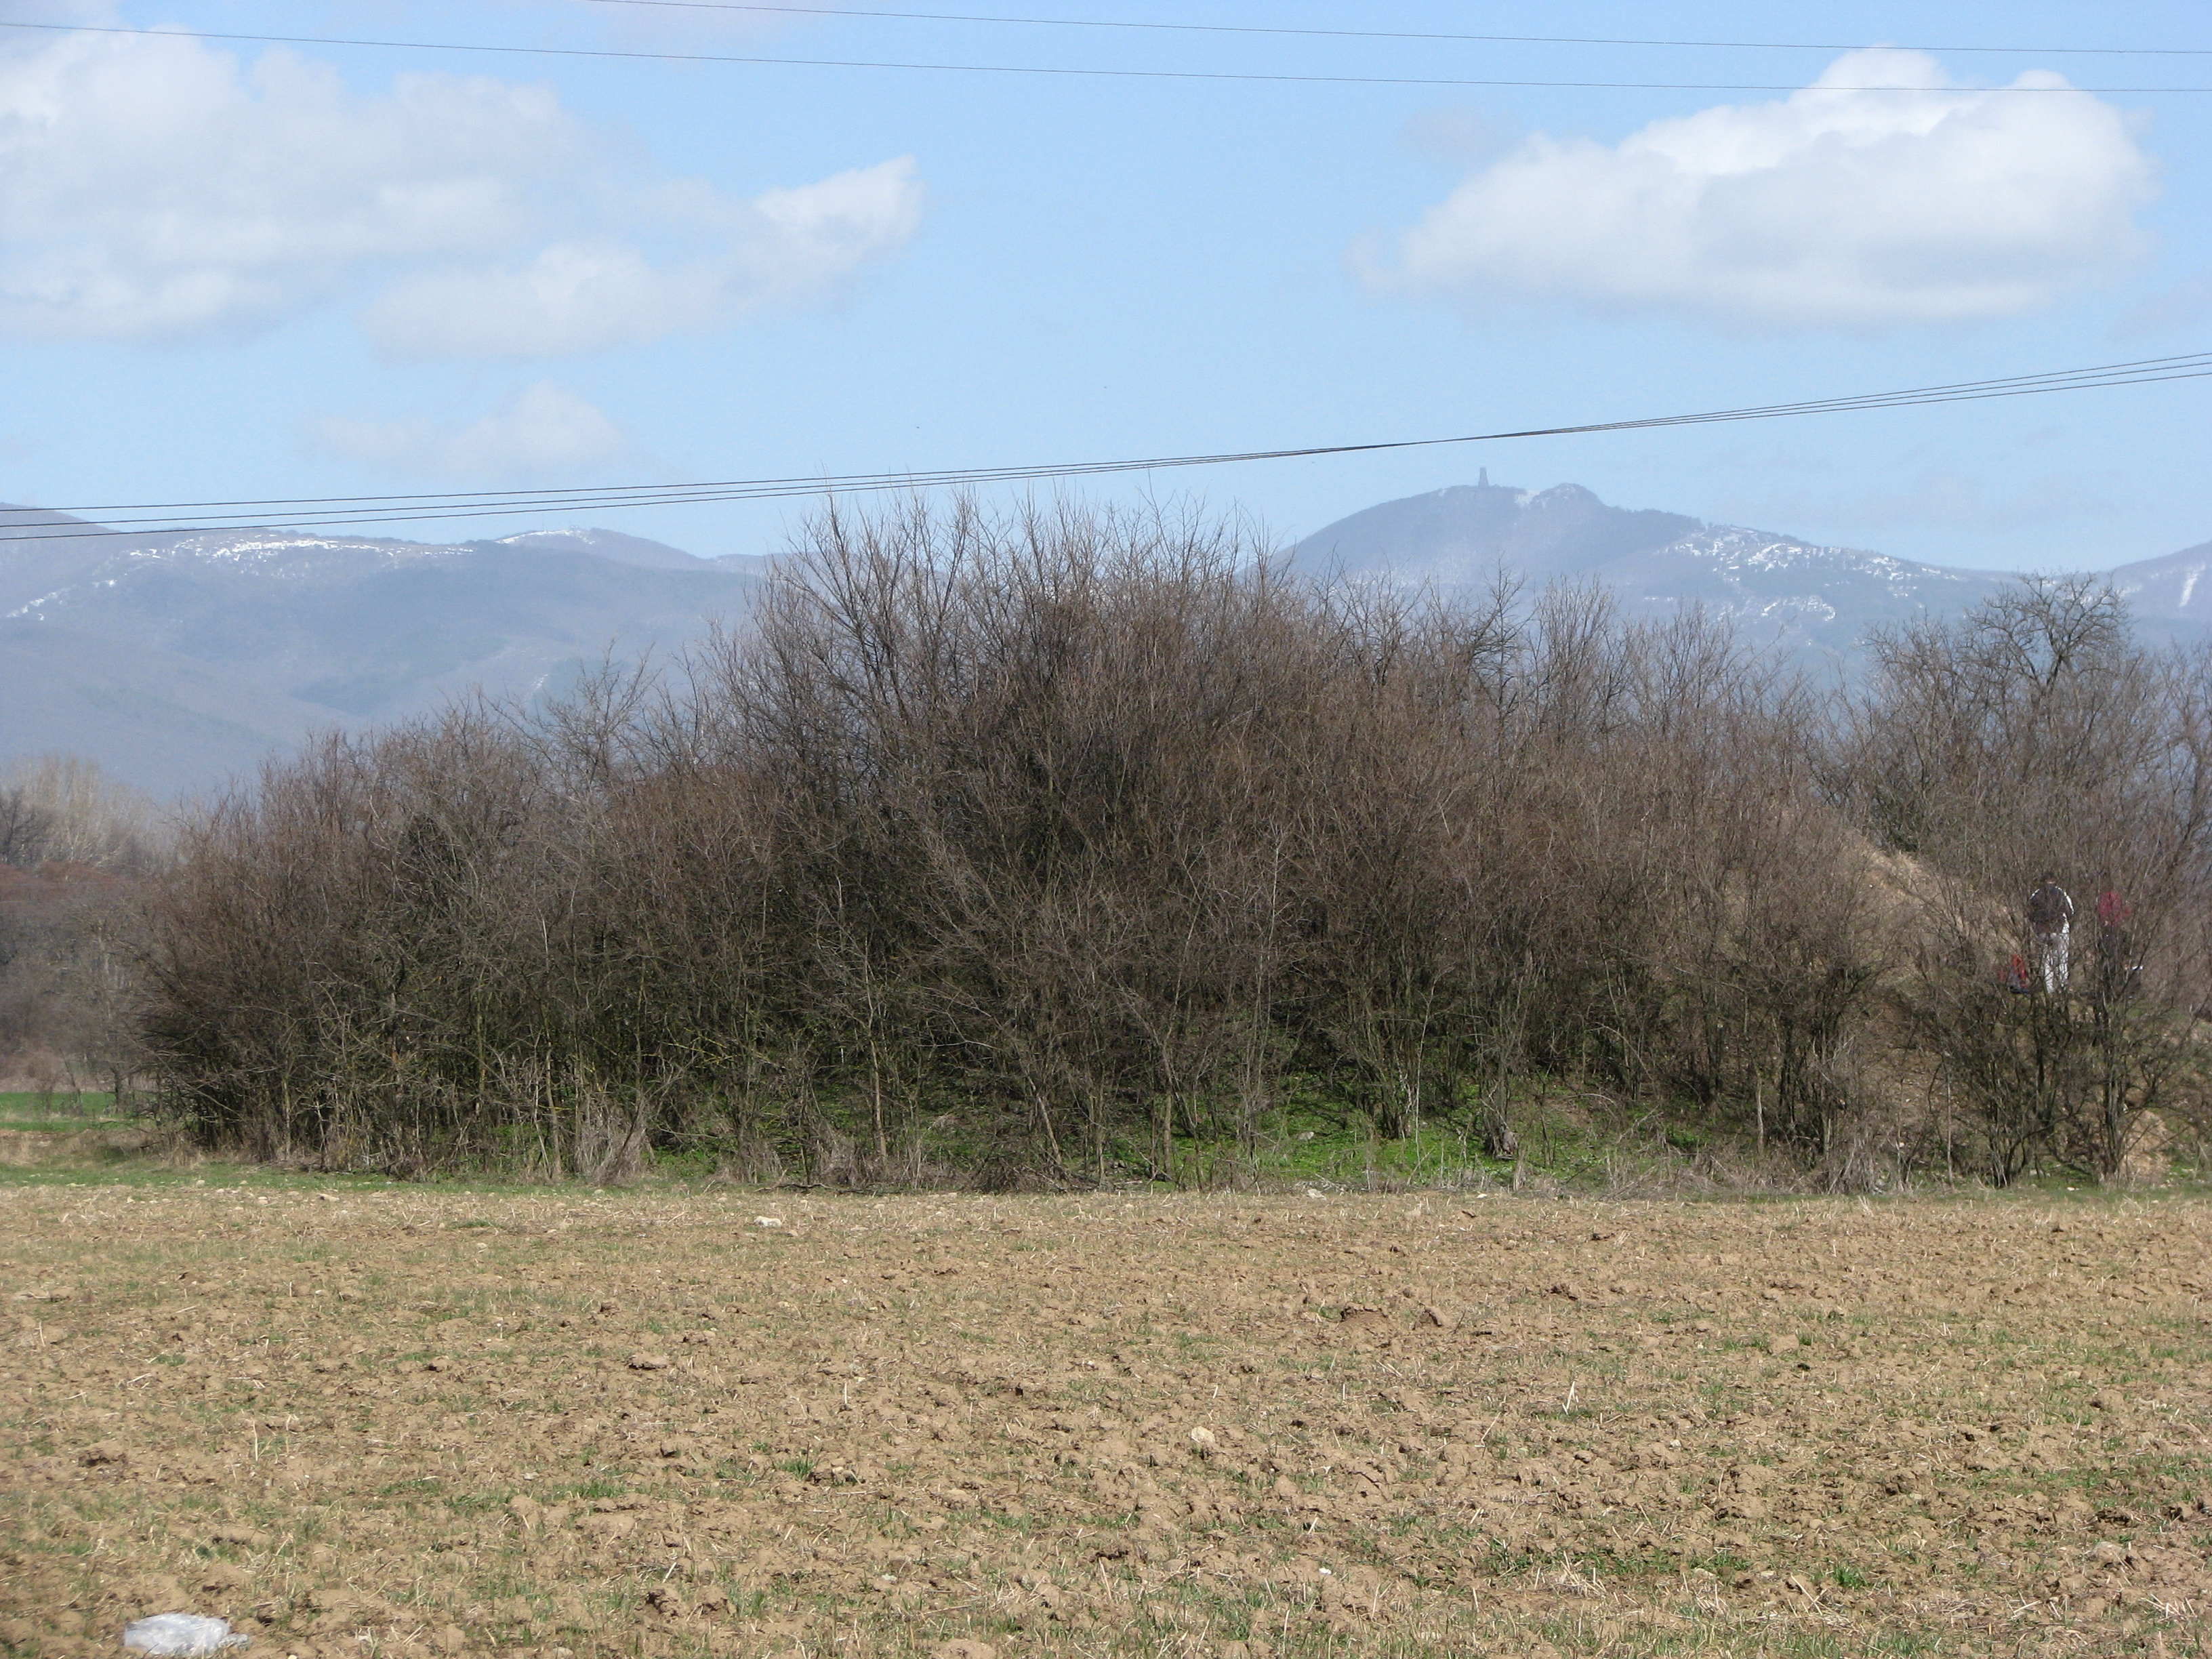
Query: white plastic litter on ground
[183, 1634]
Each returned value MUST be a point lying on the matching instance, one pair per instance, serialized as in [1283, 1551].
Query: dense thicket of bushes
[2037, 736]
[1039, 846]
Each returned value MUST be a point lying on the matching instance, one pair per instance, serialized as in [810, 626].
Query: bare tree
[2033, 737]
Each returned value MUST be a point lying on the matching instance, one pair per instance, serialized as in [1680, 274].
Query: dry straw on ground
[398, 1422]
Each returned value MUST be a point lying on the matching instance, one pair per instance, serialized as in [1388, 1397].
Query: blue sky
[230, 270]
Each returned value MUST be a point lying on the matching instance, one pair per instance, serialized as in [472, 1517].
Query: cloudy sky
[233, 269]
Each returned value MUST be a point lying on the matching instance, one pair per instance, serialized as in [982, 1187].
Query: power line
[354, 511]
[1395, 35]
[1245, 76]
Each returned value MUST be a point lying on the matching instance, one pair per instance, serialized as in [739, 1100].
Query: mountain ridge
[268, 634]
[180, 659]
[1821, 598]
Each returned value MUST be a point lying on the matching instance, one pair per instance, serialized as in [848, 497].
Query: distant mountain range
[1823, 599]
[177, 660]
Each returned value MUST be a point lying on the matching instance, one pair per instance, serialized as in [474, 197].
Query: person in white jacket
[2050, 925]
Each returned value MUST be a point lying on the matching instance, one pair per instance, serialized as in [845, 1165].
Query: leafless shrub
[1048, 848]
[2036, 736]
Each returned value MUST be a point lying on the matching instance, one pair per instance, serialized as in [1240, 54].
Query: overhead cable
[873, 14]
[344, 512]
[1092, 73]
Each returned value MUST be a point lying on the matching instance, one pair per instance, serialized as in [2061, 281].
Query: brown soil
[405, 1422]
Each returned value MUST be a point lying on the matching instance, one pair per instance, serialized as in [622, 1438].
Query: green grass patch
[83, 1109]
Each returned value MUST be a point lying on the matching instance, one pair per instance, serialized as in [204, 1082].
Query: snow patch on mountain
[274, 547]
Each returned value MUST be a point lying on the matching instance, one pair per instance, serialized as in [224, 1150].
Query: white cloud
[1834, 208]
[152, 189]
[544, 431]
[783, 246]
[148, 189]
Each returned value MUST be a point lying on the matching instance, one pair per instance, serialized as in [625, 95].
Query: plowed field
[400, 1421]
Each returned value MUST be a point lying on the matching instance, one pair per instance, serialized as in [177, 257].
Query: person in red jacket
[2115, 966]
